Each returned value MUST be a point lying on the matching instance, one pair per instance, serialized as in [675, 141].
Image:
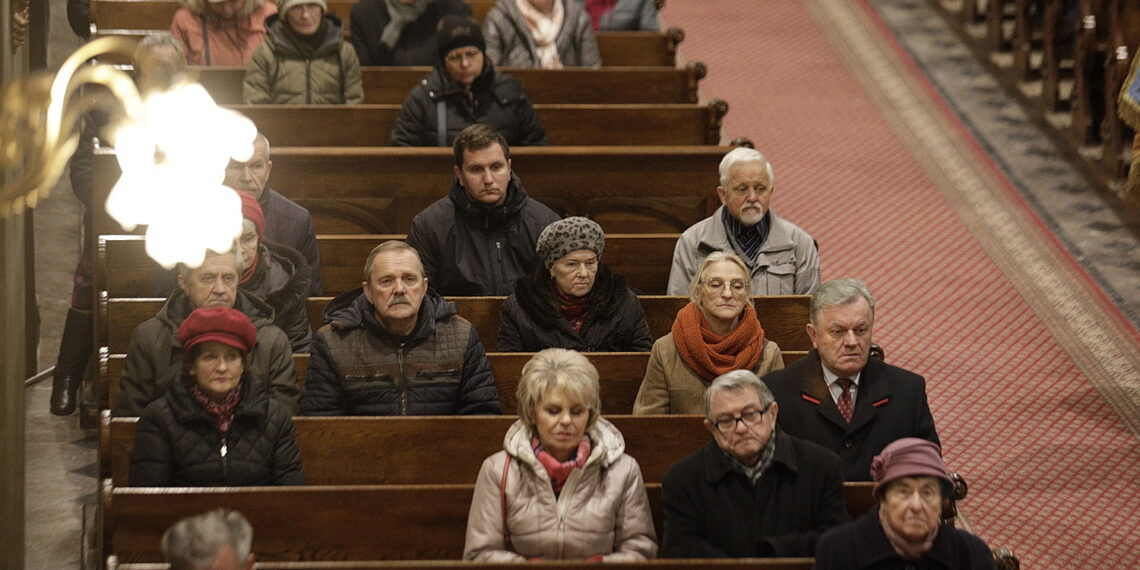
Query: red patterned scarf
[710, 354]
[573, 308]
[559, 471]
[597, 9]
[220, 411]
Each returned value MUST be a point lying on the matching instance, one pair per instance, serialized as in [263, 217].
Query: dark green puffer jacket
[285, 69]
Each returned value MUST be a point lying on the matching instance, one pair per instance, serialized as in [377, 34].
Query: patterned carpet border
[1094, 333]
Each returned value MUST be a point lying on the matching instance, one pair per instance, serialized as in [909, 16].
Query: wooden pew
[123, 269]
[605, 85]
[657, 564]
[1088, 69]
[565, 124]
[783, 317]
[138, 18]
[1056, 48]
[411, 450]
[621, 375]
[379, 190]
[1123, 42]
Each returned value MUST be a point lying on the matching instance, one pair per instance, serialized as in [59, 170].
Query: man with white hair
[216, 540]
[782, 258]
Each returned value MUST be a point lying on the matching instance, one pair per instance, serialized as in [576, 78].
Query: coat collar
[872, 547]
[874, 392]
[718, 465]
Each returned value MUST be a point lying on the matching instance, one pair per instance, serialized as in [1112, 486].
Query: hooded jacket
[285, 69]
[177, 444]
[712, 510]
[358, 368]
[281, 279]
[470, 248]
[532, 320]
[417, 43]
[671, 387]
[495, 99]
[509, 42]
[862, 545]
[154, 357]
[603, 508]
[208, 41]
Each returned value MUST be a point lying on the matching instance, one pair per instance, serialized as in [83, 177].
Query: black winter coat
[281, 279]
[714, 511]
[890, 404]
[417, 43]
[531, 319]
[177, 444]
[495, 99]
[289, 224]
[862, 545]
[469, 248]
[358, 368]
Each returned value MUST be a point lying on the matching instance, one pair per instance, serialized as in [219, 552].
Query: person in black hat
[215, 427]
[464, 89]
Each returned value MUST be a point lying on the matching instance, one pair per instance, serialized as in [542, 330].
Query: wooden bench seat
[123, 269]
[783, 317]
[137, 18]
[621, 375]
[565, 124]
[378, 190]
[657, 564]
[583, 85]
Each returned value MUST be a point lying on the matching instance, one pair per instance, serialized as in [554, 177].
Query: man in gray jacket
[781, 257]
[154, 357]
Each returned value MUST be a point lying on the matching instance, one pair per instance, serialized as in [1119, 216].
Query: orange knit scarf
[710, 354]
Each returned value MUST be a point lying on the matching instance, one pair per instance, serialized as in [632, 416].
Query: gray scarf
[400, 15]
[756, 471]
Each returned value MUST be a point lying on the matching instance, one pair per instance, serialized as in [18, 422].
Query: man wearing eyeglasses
[782, 258]
[464, 89]
[753, 490]
[394, 348]
[839, 397]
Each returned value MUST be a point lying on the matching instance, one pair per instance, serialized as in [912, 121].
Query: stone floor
[61, 464]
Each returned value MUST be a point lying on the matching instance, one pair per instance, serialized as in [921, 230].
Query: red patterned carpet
[1033, 375]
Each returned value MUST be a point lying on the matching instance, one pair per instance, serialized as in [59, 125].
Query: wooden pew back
[565, 124]
[657, 564]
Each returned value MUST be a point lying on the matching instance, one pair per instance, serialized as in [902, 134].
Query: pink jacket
[603, 508]
[227, 45]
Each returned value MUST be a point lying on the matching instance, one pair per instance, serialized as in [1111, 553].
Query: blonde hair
[698, 279]
[558, 370]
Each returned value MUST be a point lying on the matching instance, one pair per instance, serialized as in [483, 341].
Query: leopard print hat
[567, 235]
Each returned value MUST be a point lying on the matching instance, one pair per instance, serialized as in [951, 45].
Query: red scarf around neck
[559, 471]
[710, 354]
[573, 308]
[220, 411]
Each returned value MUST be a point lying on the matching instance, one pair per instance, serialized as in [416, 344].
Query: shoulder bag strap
[503, 502]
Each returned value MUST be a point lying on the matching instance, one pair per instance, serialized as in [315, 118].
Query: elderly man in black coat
[840, 398]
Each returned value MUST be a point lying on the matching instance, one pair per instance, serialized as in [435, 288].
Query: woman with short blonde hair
[563, 487]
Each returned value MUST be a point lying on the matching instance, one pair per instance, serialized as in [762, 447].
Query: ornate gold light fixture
[172, 146]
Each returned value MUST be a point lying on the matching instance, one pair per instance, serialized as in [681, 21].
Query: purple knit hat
[907, 457]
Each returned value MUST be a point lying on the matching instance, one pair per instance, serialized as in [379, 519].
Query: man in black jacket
[838, 397]
[481, 237]
[753, 490]
[395, 348]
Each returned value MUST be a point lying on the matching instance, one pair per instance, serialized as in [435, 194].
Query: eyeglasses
[717, 285]
[750, 418]
[458, 56]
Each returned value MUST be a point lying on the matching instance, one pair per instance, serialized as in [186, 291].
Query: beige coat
[671, 387]
[602, 509]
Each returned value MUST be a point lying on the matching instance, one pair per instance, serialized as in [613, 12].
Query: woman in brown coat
[715, 333]
[563, 487]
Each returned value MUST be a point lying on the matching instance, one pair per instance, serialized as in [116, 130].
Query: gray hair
[166, 54]
[193, 542]
[558, 370]
[744, 155]
[840, 292]
[737, 380]
[185, 270]
[261, 140]
[390, 245]
[731, 257]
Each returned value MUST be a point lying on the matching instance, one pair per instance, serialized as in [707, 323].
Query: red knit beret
[907, 457]
[222, 324]
[251, 210]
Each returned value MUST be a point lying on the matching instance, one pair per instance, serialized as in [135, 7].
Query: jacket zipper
[308, 81]
[403, 381]
[501, 275]
[562, 504]
[225, 462]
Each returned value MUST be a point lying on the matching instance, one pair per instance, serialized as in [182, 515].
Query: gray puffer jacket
[281, 279]
[629, 16]
[509, 42]
[178, 445]
[602, 510]
[154, 357]
[358, 368]
[287, 69]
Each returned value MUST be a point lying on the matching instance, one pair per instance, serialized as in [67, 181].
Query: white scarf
[544, 31]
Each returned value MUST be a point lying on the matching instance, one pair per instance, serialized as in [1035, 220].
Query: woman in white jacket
[563, 487]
